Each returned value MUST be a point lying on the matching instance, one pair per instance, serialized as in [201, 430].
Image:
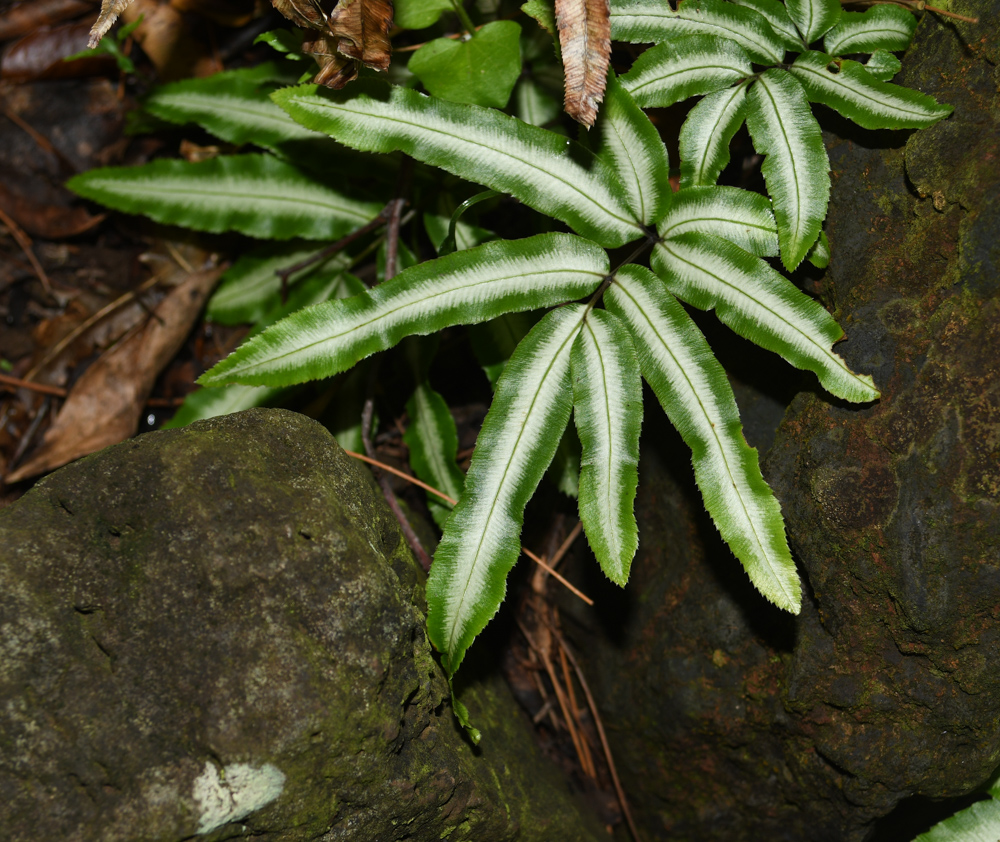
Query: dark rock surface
[218, 632]
[737, 723]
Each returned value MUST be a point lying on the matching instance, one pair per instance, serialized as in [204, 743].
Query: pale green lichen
[238, 791]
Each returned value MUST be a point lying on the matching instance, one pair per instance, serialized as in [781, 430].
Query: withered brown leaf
[304, 13]
[110, 9]
[335, 70]
[105, 404]
[362, 29]
[355, 31]
[585, 41]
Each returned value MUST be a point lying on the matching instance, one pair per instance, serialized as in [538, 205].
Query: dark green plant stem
[652, 238]
[463, 16]
[332, 249]
[392, 215]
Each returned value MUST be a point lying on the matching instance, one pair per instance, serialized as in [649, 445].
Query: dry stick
[40, 139]
[560, 693]
[565, 545]
[600, 732]
[586, 760]
[25, 243]
[387, 492]
[29, 434]
[83, 327]
[18, 383]
[557, 575]
[392, 226]
[401, 475]
[330, 250]
[559, 553]
[392, 214]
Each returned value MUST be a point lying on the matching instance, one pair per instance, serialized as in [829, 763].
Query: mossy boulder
[218, 632]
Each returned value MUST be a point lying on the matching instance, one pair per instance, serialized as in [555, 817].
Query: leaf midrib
[693, 221]
[453, 631]
[458, 138]
[387, 314]
[722, 281]
[610, 529]
[737, 35]
[722, 451]
[211, 103]
[157, 188]
[838, 89]
[799, 199]
[627, 150]
[686, 70]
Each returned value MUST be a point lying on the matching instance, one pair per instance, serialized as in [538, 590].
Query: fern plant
[979, 822]
[607, 327]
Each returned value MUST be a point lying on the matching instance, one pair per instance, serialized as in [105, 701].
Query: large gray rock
[734, 722]
[218, 632]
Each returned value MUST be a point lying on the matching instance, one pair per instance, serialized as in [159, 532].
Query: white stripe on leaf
[257, 195]
[547, 172]
[761, 305]
[848, 88]
[607, 407]
[465, 287]
[692, 388]
[878, 28]
[642, 21]
[737, 215]
[796, 168]
[706, 134]
[481, 540]
[632, 146]
[685, 67]
[813, 17]
[775, 13]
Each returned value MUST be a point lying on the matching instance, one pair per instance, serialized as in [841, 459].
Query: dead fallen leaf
[335, 70]
[362, 31]
[304, 13]
[355, 31]
[29, 15]
[585, 41]
[39, 56]
[110, 9]
[104, 405]
[167, 38]
[49, 221]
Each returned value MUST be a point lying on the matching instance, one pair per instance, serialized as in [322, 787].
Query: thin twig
[384, 216]
[402, 475]
[367, 413]
[557, 575]
[29, 434]
[330, 250]
[54, 351]
[560, 693]
[391, 213]
[18, 383]
[395, 208]
[42, 141]
[600, 732]
[586, 760]
[565, 545]
[24, 241]
[559, 553]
